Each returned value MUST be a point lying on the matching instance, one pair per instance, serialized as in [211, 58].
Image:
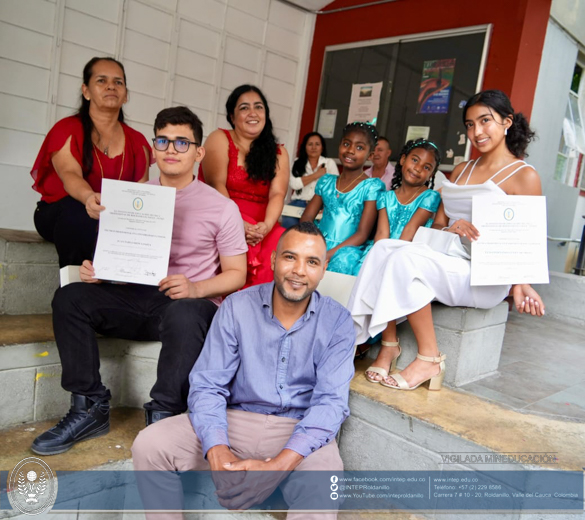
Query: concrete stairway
[388, 430]
[29, 273]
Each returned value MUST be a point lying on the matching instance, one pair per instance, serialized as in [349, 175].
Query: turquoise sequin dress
[341, 219]
[400, 214]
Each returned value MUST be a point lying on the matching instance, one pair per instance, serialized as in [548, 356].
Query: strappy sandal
[381, 371]
[435, 382]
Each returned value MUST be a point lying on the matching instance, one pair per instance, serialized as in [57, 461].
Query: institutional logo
[32, 486]
[138, 203]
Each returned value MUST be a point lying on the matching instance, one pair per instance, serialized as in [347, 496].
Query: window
[570, 166]
[399, 63]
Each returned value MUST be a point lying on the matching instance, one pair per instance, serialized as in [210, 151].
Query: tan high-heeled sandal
[435, 382]
[381, 371]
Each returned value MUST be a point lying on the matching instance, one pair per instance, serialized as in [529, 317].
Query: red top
[48, 183]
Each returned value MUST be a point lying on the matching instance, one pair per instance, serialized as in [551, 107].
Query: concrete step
[30, 370]
[388, 430]
[29, 273]
[109, 449]
[564, 298]
[397, 430]
[112, 453]
[472, 339]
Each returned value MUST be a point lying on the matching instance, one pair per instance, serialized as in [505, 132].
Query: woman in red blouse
[247, 165]
[80, 151]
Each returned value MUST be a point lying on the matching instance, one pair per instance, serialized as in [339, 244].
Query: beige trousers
[171, 445]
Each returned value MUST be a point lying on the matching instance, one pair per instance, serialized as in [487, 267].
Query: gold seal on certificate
[511, 248]
[135, 231]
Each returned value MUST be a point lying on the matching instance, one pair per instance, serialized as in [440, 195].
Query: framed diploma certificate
[135, 231]
[511, 248]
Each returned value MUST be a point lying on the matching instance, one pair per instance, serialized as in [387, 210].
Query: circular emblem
[138, 203]
[508, 213]
[32, 486]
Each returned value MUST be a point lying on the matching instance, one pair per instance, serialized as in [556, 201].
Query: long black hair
[409, 147]
[83, 113]
[298, 169]
[519, 134]
[262, 157]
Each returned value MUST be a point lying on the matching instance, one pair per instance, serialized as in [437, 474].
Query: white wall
[550, 102]
[191, 52]
[570, 14]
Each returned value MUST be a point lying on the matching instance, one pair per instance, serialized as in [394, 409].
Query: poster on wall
[327, 119]
[435, 86]
[365, 102]
[417, 132]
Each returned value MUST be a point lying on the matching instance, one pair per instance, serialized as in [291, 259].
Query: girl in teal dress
[411, 201]
[348, 201]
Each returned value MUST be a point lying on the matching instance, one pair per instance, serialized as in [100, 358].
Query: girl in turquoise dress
[411, 201]
[348, 201]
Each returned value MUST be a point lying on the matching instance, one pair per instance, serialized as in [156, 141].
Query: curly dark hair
[369, 130]
[519, 134]
[298, 169]
[83, 113]
[409, 147]
[262, 158]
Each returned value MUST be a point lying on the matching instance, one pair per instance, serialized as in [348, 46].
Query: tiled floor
[542, 368]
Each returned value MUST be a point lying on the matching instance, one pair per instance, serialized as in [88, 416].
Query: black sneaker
[85, 420]
[153, 416]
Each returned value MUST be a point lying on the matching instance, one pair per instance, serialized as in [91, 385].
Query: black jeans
[137, 312]
[67, 224]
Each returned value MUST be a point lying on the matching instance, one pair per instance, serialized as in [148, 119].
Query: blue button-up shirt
[251, 362]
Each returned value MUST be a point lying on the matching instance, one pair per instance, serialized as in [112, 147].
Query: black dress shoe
[153, 416]
[85, 420]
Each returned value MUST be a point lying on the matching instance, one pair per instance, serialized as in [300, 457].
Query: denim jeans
[135, 312]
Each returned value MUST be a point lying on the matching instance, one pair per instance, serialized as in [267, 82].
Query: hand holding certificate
[512, 244]
[135, 231]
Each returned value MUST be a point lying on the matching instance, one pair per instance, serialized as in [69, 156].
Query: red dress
[251, 196]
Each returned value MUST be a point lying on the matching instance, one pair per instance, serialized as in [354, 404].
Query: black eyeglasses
[181, 145]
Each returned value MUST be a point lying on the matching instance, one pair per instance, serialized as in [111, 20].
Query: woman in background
[312, 163]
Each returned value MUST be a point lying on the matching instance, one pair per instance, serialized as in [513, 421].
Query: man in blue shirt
[269, 391]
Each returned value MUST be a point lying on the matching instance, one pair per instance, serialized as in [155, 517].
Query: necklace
[414, 196]
[106, 148]
[349, 185]
[100, 162]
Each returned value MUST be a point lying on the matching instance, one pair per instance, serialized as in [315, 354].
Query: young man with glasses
[207, 261]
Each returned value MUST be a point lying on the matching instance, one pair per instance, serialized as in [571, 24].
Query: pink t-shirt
[386, 178]
[206, 225]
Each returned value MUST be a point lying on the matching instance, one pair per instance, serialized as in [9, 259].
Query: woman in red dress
[78, 152]
[247, 165]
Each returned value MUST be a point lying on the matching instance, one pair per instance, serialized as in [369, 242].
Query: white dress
[400, 277]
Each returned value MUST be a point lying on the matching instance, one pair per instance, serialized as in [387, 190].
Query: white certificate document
[511, 248]
[135, 231]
